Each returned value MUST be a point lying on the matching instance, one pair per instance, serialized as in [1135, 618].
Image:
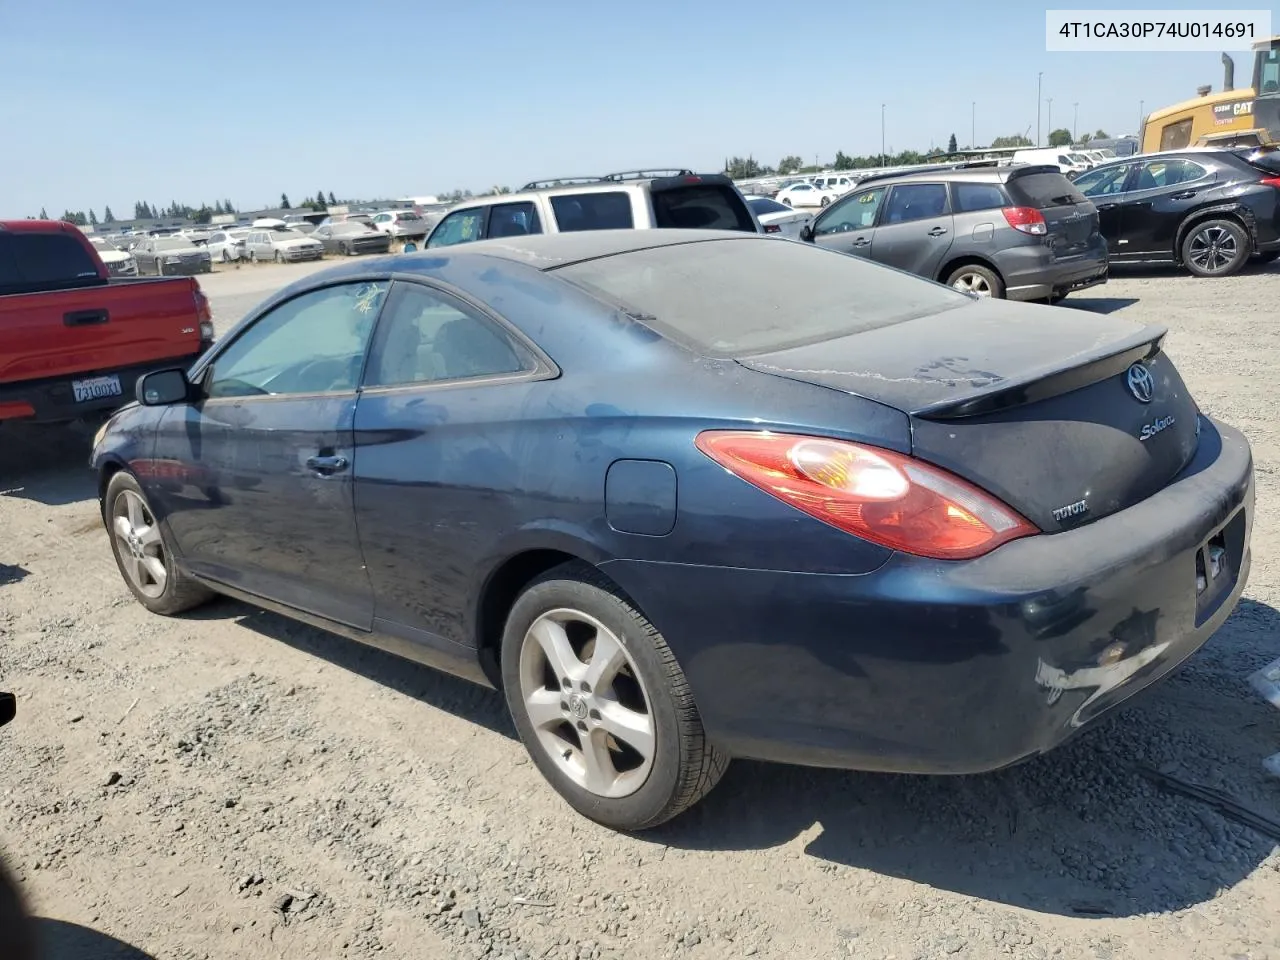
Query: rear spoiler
[1050, 380]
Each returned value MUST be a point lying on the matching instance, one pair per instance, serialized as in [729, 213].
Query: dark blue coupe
[686, 496]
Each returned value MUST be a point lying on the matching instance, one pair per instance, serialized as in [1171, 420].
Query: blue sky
[108, 103]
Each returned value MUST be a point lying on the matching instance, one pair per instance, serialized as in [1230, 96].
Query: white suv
[634, 200]
[400, 224]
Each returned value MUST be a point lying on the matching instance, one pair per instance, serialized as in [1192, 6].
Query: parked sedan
[172, 255]
[777, 218]
[120, 263]
[281, 246]
[352, 237]
[820, 511]
[227, 246]
[1208, 210]
[805, 195]
[401, 225]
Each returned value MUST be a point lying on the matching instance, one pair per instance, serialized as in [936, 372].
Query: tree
[739, 168]
[1060, 137]
[843, 161]
[1101, 135]
[43, 214]
[320, 199]
[952, 147]
[1017, 140]
[77, 217]
[1086, 137]
[108, 216]
[228, 206]
[284, 202]
[93, 219]
[332, 199]
[203, 215]
[789, 164]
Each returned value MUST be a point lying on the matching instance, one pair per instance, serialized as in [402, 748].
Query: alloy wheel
[1213, 249]
[973, 283]
[586, 702]
[140, 545]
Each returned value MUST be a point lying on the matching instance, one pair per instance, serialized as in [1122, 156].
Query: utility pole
[1039, 77]
[973, 125]
[1141, 115]
[1049, 119]
[1075, 123]
[883, 159]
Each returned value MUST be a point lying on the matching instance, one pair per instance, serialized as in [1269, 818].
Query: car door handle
[1107, 206]
[1185, 195]
[327, 465]
[861, 242]
[937, 231]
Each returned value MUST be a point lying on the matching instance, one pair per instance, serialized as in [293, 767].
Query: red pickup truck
[74, 342]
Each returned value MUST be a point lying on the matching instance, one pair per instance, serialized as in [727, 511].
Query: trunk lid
[1071, 218]
[1034, 404]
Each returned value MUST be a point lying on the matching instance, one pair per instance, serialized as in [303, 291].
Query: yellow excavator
[1228, 118]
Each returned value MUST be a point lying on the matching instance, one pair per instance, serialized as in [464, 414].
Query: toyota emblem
[1141, 384]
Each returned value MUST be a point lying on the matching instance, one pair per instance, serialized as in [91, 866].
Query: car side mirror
[806, 233]
[163, 387]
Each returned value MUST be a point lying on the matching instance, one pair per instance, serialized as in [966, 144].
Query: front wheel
[976, 279]
[143, 556]
[601, 704]
[278, 258]
[1215, 248]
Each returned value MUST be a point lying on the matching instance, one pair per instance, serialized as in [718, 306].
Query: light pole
[1048, 120]
[1141, 115]
[1075, 123]
[973, 125]
[1039, 77]
[882, 156]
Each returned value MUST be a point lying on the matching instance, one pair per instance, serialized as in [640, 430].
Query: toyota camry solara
[685, 496]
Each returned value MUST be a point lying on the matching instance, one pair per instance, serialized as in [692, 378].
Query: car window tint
[314, 343]
[461, 226]
[426, 336]
[740, 296]
[704, 207]
[1170, 171]
[1103, 183]
[978, 196]
[915, 201]
[765, 205]
[854, 212]
[593, 211]
[1043, 190]
[35, 261]
[513, 220]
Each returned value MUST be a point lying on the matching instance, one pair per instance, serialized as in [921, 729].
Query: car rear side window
[44, 261]
[968, 197]
[702, 207]
[740, 296]
[593, 211]
[1044, 190]
[513, 220]
[915, 201]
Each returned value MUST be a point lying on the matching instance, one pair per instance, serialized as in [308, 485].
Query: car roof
[987, 174]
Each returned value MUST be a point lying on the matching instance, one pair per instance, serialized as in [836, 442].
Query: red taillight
[1027, 220]
[878, 495]
[772, 228]
[203, 311]
[1271, 182]
[692, 179]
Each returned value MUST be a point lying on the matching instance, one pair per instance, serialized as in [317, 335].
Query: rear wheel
[787, 201]
[601, 704]
[344, 249]
[253, 256]
[978, 280]
[824, 201]
[226, 255]
[1215, 248]
[143, 555]
[278, 258]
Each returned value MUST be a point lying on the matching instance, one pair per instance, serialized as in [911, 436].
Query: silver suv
[633, 200]
[1018, 232]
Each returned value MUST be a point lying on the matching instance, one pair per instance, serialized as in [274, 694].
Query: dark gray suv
[1018, 232]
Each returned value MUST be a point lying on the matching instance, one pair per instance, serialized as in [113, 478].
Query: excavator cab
[1266, 84]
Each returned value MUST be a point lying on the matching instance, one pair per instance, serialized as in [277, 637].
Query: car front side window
[1103, 183]
[854, 212]
[314, 343]
[461, 226]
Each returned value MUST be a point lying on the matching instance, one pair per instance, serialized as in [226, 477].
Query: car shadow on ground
[1099, 304]
[60, 940]
[47, 464]
[1078, 832]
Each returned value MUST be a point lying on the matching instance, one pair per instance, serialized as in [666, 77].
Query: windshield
[733, 298]
[765, 205]
[284, 235]
[174, 243]
[102, 244]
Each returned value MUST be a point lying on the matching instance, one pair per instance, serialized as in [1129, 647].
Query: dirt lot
[231, 784]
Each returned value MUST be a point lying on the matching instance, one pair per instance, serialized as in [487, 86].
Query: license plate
[96, 388]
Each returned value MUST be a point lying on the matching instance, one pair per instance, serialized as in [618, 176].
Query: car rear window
[593, 211]
[742, 296]
[1266, 160]
[702, 207]
[1044, 190]
[30, 262]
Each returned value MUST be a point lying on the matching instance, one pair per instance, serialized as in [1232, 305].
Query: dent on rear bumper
[937, 667]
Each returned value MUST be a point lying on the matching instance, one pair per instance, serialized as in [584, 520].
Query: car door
[1105, 187]
[848, 225]
[265, 458]
[1163, 192]
[914, 232]
[142, 253]
[324, 235]
[438, 426]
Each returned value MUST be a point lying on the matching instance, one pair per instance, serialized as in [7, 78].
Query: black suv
[1021, 232]
[1206, 209]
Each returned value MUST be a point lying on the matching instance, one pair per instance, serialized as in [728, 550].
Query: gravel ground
[232, 784]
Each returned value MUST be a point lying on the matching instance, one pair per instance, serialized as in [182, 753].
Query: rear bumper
[1031, 272]
[935, 667]
[53, 399]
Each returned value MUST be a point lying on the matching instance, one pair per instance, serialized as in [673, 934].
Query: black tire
[1215, 248]
[685, 765]
[824, 201]
[787, 201]
[180, 592]
[278, 258]
[344, 249]
[253, 256]
[977, 276]
[1269, 257]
